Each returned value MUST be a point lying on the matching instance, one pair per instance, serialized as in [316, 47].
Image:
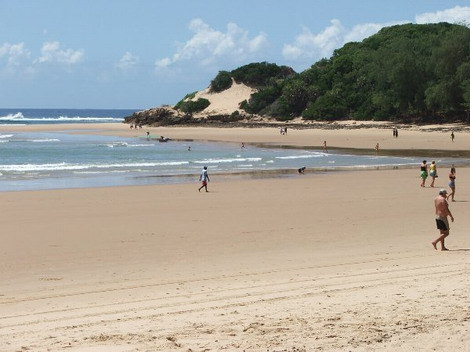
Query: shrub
[191, 106]
[188, 96]
[221, 82]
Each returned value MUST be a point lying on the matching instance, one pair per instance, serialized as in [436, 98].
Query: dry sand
[328, 262]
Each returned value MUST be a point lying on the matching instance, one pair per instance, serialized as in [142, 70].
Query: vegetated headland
[411, 73]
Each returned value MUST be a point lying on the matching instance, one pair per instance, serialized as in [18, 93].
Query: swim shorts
[452, 184]
[424, 174]
[442, 224]
[204, 183]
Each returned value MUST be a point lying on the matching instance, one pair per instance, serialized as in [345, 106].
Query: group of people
[433, 174]
[440, 202]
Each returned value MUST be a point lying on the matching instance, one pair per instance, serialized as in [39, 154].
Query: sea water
[65, 159]
[59, 116]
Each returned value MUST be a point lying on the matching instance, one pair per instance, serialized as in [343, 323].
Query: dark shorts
[442, 224]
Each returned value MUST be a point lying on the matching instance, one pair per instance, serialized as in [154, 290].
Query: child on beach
[433, 172]
[452, 177]
[424, 173]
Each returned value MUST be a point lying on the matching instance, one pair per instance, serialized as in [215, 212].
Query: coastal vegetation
[411, 71]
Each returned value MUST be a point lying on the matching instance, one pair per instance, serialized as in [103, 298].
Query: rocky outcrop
[164, 115]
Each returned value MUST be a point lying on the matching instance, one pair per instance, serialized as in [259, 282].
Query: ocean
[57, 116]
[65, 159]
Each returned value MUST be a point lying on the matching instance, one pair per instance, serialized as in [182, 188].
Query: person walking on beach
[424, 173]
[377, 148]
[442, 212]
[452, 135]
[204, 178]
[433, 172]
[452, 177]
[325, 149]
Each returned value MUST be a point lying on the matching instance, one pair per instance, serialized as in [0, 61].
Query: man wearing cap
[442, 211]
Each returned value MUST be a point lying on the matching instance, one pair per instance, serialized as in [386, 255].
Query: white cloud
[208, 45]
[456, 14]
[51, 53]
[308, 45]
[15, 54]
[127, 61]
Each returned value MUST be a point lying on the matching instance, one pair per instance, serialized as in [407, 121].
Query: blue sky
[144, 53]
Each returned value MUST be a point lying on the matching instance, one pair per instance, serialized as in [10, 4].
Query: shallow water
[62, 160]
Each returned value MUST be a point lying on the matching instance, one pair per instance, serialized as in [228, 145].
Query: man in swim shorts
[442, 212]
[204, 178]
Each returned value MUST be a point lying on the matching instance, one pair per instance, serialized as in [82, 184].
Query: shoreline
[338, 261]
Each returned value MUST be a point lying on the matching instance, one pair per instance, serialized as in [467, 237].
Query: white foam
[20, 116]
[66, 166]
[307, 156]
[219, 161]
[5, 135]
[43, 140]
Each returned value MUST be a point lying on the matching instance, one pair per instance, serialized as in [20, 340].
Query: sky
[124, 54]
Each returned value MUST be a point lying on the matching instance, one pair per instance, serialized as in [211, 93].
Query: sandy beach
[329, 262]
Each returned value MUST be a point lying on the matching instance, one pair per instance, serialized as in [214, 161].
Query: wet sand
[330, 261]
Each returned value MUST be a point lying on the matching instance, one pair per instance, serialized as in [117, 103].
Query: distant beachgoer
[433, 172]
[424, 173]
[442, 212]
[243, 145]
[189, 148]
[377, 147]
[452, 136]
[325, 149]
[452, 178]
[281, 130]
[396, 132]
[301, 170]
[148, 135]
[204, 178]
[285, 130]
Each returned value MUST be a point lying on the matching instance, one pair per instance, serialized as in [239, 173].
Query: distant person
[377, 147]
[285, 130]
[204, 178]
[424, 173]
[189, 148]
[433, 172]
[452, 177]
[148, 135]
[396, 132]
[442, 224]
[325, 149]
[301, 170]
[452, 135]
[243, 146]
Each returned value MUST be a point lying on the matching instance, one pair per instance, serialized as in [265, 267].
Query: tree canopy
[410, 71]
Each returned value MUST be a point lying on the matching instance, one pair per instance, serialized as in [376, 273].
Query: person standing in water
[433, 172]
[204, 178]
[442, 212]
[452, 177]
[424, 173]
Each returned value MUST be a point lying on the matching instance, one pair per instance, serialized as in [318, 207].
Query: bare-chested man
[442, 212]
